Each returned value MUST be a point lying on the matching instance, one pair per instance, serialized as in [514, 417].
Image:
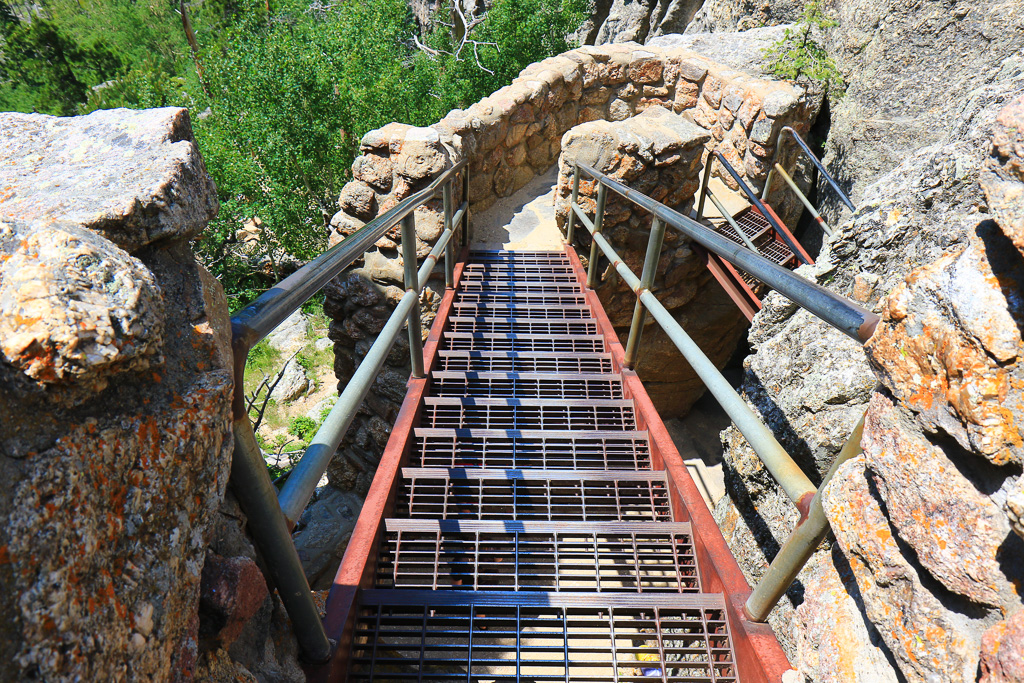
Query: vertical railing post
[465, 198]
[636, 329]
[704, 187]
[412, 285]
[602, 196]
[571, 230]
[449, 249]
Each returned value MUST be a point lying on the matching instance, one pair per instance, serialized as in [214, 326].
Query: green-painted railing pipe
[307, 473]
[577, 211]
[814, 159]
[704, 189]
[651, 258]
[807, 202]
[449, 251]
[305, 476]
[732, 222]
[258, 498]
[570, 231]
[412, 285]
[592, 274]
[775, 458]
[801, 544]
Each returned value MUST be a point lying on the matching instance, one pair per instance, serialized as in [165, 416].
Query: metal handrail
[842, 313]
[769, 216]
[777, 167]
[272, 515]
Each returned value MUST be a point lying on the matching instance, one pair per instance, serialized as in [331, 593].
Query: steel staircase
[534, 537]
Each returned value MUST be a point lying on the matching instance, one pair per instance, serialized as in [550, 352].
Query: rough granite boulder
[134, 177]
[115, 389]
[928, 641]
[74, 309]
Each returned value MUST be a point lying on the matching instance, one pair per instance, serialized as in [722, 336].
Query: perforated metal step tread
[532, 538]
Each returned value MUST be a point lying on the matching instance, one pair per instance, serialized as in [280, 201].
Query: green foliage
[262, 358]
[798, 55]
[43, 68]
[280, 94]
[303, 427]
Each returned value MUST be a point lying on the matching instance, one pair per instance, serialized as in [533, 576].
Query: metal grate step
[552, 343]
[524, 270]
[562, 556]
[522, 326]
[505, 299]
[520, 287]
[525, 414]
[516, 450]
[531, 636]
[532, 540]
[526, 385]
[529, 361]
[536, 311]
[534, 494]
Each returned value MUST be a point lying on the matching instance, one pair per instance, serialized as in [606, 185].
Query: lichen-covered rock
[1002, 651]
[132, 176]
[1003, 178]
[75, 309]
[109, 502]
[929, 641]
[949, 343]
[106, 542]
[956, 532]
[834, 645]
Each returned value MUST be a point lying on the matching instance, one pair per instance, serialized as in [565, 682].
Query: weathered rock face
[924, 519]
[623, 21]
[911, 70]
[114, 386]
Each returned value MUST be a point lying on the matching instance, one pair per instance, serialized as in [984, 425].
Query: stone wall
[511, 137]
[657, 153]
[115, 387]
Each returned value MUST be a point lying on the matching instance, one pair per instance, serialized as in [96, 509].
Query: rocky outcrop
[924, 520]
[119, 557]
[911, 69]
[623, 21]
[115, 390]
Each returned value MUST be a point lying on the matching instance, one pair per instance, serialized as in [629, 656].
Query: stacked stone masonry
[516, 134]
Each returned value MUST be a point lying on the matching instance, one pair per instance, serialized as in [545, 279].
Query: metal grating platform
[547, 414]
[499, 449]
[532, 540]
[484, 636]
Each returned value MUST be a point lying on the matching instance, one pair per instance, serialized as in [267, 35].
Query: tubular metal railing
[844, 314]
[272, 515]
[752, 196]
[776, 167]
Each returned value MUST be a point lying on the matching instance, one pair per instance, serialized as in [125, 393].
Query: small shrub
[303, 427]
[798, 55]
